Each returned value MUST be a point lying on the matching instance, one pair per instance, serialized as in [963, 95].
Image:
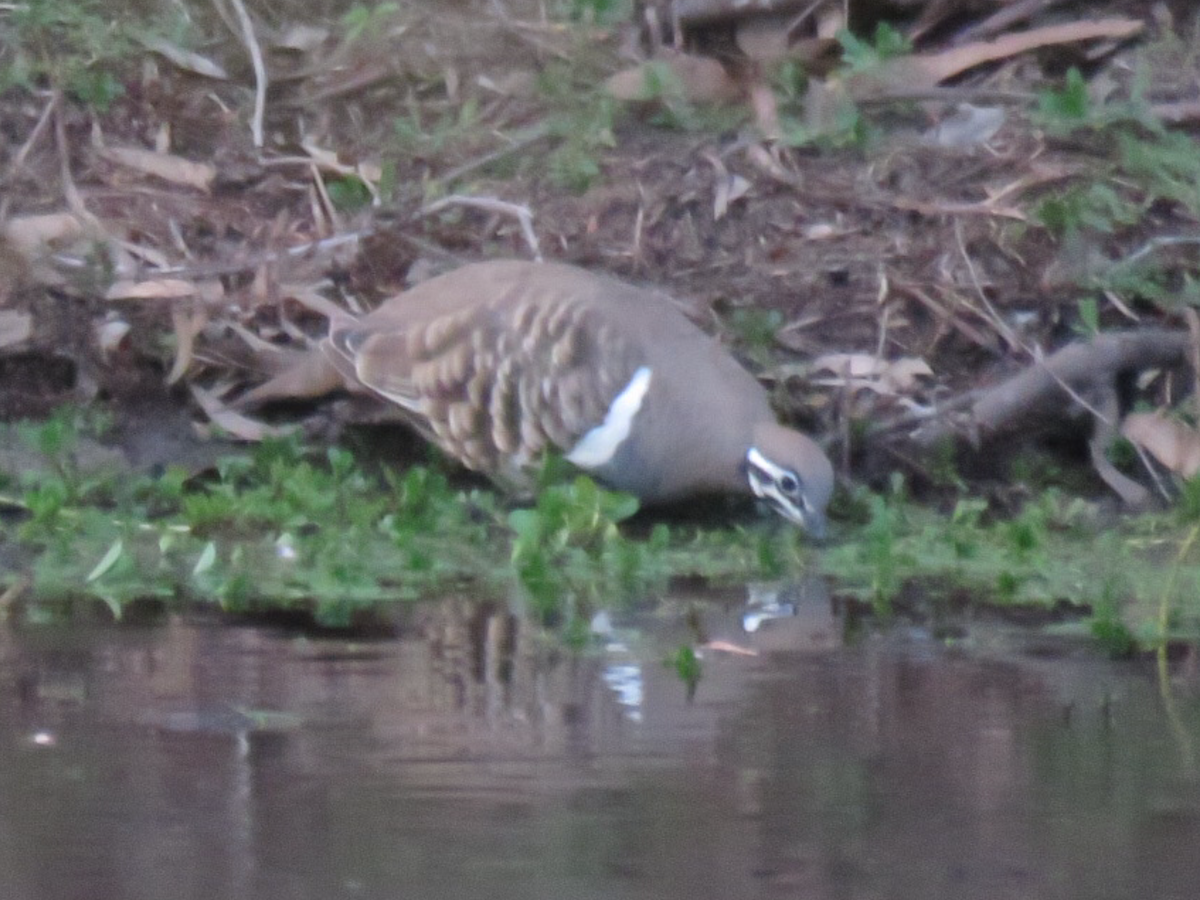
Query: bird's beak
[811, 520]
[814, 523]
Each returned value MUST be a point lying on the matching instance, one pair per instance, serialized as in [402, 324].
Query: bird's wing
[495, 384]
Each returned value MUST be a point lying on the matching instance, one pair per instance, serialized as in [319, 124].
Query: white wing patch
[598, 446]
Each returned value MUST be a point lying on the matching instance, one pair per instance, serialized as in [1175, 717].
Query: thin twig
[1016, 343]
[1104, 433]
[19, 158]
[958, 323]
[1192, 319]
[255, 261]
[358, 82]
[1152, 471]
[1000, 325]
[325, 245]
[524, 31]
[70, 192]
[1005, 18]
[948, 94]
[885, 317]
[492, 204]
[1151, 246]
[797, 20]
[326, 209]
[527, 139]
[260, 71]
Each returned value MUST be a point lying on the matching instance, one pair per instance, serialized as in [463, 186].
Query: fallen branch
[923, 71]
[1085, 369]
[1077, 382]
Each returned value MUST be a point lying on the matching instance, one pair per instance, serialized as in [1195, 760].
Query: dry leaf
[862, 370]
[188, 325]
[166, 166]
[232, 422]
[728, 189]
[700, 78]
[764, 37]
[518, 83]
[110, 333]
[210, 291]
[967, 126]
[301, 38]
[766, 110]
[816, 56]
[729, 647]
[126, 252]
[158, 289]
[325, 159]
[15, 327]
[369, 172]
[312, 299]
[184, 59]
[831, 18]
[914, 73]
[851, 365]
[1172, 443]
[162, 138]
[767, 161]
[903, 373]
[31, 236]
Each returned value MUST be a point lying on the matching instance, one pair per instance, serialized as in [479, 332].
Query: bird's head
[792, 473]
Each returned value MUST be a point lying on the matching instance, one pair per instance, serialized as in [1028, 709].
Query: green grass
[281, 526]
[842, 126]
[866, 56]
[1057, 549]
[80, 47]
[285, 527]
[1138, 170]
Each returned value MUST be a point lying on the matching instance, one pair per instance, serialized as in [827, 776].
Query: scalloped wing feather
[497, 384]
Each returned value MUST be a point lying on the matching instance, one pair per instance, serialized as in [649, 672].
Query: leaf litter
[898, 212]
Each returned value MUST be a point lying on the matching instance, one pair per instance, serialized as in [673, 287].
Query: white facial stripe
[598, 446]
[760, 462]
[761, 468]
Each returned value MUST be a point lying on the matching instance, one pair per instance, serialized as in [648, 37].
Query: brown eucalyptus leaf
[166, 166]
[700, 79]
[15, 327]
[155, 289]
[1170, 441]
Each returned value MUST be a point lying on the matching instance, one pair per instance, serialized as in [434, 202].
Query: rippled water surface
[469, 758]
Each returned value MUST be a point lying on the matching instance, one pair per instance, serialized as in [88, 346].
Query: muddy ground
[158, 290]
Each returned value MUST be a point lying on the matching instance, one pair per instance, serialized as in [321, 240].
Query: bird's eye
[789, 484]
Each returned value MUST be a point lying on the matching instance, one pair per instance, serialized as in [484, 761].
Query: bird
[503, 361]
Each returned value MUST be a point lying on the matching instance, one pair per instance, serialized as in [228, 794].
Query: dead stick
[1039, 389]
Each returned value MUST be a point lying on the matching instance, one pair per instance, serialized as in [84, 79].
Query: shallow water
[469, 758]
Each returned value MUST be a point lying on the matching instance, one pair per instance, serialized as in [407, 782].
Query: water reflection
[470, 757]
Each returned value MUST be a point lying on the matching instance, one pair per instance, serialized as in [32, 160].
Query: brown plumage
[499, 362]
